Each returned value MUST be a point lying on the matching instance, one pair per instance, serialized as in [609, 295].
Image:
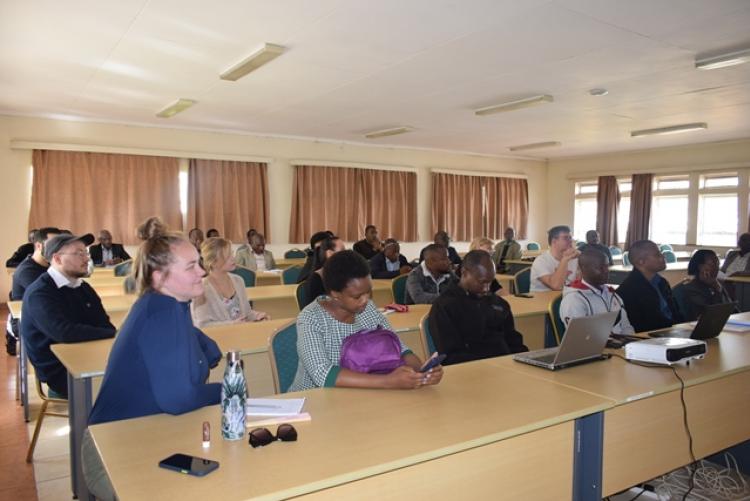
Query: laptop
[583, 342]
[709, 325]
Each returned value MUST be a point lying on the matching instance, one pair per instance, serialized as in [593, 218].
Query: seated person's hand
[404, 378]
[571, 253]
[433, 376]
[405, 269]
[261, 315]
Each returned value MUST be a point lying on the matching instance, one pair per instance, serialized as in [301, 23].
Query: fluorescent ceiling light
[175, 108]
[534, 146]
[723, 60]
[264, 55]
[388, 132]
[514, 105]
[673, 129]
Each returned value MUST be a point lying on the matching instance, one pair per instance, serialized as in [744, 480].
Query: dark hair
[637, 249]
[476, 258]
[433, 248]
[698, 258]
[370, 226]
[319, 237]
[343, 267]
[319, 253]
[41, 234]
[194, 230]
[555, 231]
[250, 233]
[210, 233]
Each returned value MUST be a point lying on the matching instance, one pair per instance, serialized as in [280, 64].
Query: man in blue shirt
[646, 294]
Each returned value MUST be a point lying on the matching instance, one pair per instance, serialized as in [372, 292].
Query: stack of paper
[273, 406]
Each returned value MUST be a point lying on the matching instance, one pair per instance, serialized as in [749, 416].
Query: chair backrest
[290, 275]
[580, 244]
[669, 256]
[665, 247]
[558, 326]
[247, 275]
[294, 254]
[300, 295]
[123, 269]
[615, 251]
[428, 345]
[678, 293]
[282, 351]
[625, 259]
[522, 281]
[532, 246]
[398, 289]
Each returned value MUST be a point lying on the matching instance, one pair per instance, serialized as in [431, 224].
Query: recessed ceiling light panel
[535, 146]
[388, 132]
[264, 55]
[514, 105]
[723, 60]
[672, 129]
[175, 108]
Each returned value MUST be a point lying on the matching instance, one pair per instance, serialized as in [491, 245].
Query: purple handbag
[373, 351]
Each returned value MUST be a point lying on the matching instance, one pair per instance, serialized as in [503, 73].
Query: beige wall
[563, 173]
[279, 153]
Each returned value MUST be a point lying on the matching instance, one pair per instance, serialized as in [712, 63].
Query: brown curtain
[229, 196]
[344, 200]
[507, 205]
[640, 208]
[457, 205]
[607, 204]
[87, 192]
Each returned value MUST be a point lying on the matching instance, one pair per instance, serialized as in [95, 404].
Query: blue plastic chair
[290, 275]
[558, 326]
[398, 289]
[300, 295]
[522, 281]
[669, 256]
[123, 269]
[579, 245]
[665, 247]
[678, 293]
[247, 275]
[428, 345]
[533, 246]
[294, 254]
[625, 259]
[282, 351]
[615, 251]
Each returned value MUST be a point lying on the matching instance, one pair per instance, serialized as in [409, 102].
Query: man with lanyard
[431, 277]
[646, 294]
[590, 295]
[507, 249]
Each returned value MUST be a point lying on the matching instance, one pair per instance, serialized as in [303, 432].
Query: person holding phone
[467, 322]
[347, 309]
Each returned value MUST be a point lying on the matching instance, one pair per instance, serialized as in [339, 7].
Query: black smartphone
[432, 362]
[189, 465]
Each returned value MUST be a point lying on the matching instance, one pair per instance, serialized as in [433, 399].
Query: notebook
[709, 325]
[583, 342]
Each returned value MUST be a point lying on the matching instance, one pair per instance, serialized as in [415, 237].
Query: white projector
[665, 350]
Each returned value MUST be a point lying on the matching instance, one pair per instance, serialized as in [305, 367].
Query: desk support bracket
[588, 450]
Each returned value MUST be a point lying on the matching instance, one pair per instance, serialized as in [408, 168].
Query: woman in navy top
[160, 361]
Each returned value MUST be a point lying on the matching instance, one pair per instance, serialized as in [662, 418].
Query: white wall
[25, 132]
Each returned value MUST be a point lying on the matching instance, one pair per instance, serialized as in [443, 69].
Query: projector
[665, 350]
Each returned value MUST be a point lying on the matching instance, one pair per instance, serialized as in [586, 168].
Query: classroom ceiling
[354, 66]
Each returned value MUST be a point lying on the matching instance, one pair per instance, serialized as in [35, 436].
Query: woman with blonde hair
[481, 243]
[224, 299]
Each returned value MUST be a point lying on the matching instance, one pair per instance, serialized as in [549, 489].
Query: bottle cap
[233, 356]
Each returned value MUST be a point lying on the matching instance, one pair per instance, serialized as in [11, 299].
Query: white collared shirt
[61, 280]
[392, 265]
[260, 261]
[106, 254]
[427, 273]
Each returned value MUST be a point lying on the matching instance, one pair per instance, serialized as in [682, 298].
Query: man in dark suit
[647, 295]
[390, 263]
[105, 253]
[22, 252]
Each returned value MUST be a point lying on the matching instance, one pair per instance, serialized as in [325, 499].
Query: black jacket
[378, 269]
[467, 327]
[20, 254]
[118, 251]
[365, 249]
[26, 273]
[698, 295]
[642, 302]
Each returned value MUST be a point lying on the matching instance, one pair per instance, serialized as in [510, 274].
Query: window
[669, 219]
[584, 217]
[672, 183]
[717, 219]
[719, 181]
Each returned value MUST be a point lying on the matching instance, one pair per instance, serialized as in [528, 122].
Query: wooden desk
[506, 281]
[529, 315]
[280, 302]
[99, 280]
[263, 278]
[643, 434]
[675, 273]
[516, 265]
[288, 263]
[442, 442]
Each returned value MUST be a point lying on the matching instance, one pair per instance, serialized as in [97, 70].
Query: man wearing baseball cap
[59, 307]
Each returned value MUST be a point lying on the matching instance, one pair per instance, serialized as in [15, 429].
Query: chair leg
[37, 428]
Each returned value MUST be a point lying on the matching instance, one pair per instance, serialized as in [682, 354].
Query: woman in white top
[224, 299]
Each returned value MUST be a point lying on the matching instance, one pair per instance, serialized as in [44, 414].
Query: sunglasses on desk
[260, 437]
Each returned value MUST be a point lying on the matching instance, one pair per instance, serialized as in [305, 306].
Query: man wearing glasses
[59, 307]
[558, 266]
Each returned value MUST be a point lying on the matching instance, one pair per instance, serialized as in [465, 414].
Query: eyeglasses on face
[260, 437]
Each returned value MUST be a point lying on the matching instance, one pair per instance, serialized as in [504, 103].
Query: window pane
[625, 186]
[623, 218]
[586, 188]
[673, 184]
[585, 218]
[669, 220]
[720, 181]
[717, 220]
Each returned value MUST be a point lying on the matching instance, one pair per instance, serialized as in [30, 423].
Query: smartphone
[189, 465]
[432, 362]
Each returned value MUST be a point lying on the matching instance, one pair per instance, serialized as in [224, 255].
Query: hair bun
[152, 227]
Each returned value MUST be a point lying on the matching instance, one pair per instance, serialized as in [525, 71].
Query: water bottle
[233, 397]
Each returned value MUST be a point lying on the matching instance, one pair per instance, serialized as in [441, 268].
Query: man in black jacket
[59, 307]
[22, 252]
[390, 263]
[369, 246]
[646, 294]
[106, 253]
[467, 322]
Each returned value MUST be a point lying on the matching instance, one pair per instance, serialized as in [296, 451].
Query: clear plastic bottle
[233, 398]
